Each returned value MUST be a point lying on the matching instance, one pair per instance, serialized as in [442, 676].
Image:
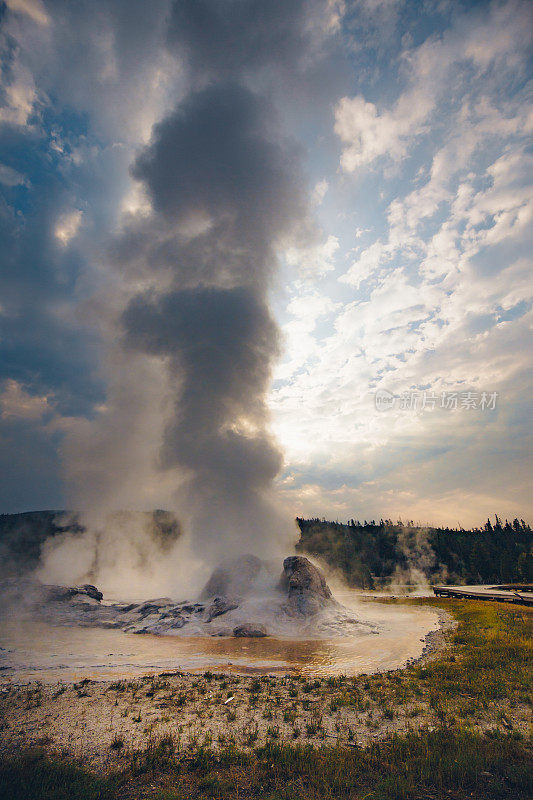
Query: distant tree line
[374, 554]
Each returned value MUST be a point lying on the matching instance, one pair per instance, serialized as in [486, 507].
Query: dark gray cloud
[226, 191]
[212, 154]
[69, 92]
[232, 38]
[212, 159]
[29, 463]
[43, 346]
[101, 58]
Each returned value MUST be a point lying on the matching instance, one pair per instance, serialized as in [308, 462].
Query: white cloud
[315, 260]
[449, 256]
[367, 264]
[19, 97]
[319, 192]
[449, 303]
[67, 226]
[304, 311]
[15, 402]
[499, 39]
[368, 134]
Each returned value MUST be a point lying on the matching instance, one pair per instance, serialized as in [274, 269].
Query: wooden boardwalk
[511, 593]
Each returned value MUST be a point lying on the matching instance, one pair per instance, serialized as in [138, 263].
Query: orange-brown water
[38, 651]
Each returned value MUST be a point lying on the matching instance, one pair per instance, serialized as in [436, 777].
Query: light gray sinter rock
[90, 591]
[53, 592]
[252, 603]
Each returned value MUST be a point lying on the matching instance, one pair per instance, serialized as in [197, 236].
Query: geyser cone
[243, 597]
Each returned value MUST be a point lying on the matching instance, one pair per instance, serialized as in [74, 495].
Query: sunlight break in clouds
[441, 295]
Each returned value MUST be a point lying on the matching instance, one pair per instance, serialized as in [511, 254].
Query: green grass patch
[489, 660]
[34, 776]
[458, 764]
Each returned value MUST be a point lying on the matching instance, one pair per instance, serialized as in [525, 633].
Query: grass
[426, 765]
[469, 745]
[34, 776]
[488, 663]
[490, 660]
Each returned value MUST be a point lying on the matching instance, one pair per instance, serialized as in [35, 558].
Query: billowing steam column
[223, 193]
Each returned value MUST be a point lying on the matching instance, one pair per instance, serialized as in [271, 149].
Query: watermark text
[429, 401]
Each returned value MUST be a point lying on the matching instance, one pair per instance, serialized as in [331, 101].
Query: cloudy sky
[254, 241]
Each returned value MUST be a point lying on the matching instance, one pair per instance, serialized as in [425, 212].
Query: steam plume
[212, 324]
[225, 191]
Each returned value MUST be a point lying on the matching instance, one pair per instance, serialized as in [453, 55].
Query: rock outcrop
[250, 630]
[218, 607]
[89, 590]
[308, 592]
[58, 593]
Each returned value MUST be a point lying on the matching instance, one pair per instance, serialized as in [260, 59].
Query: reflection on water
[32, 650]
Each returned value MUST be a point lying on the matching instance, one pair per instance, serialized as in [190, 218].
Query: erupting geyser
[186, 423]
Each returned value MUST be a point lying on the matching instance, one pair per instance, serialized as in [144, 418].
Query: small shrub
[117, 743]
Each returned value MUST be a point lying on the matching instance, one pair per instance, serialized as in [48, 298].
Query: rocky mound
[308, 592]
[242, 598]
[68, 592]
[250, 631]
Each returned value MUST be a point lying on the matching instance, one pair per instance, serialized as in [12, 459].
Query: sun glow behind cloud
[438, 287]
